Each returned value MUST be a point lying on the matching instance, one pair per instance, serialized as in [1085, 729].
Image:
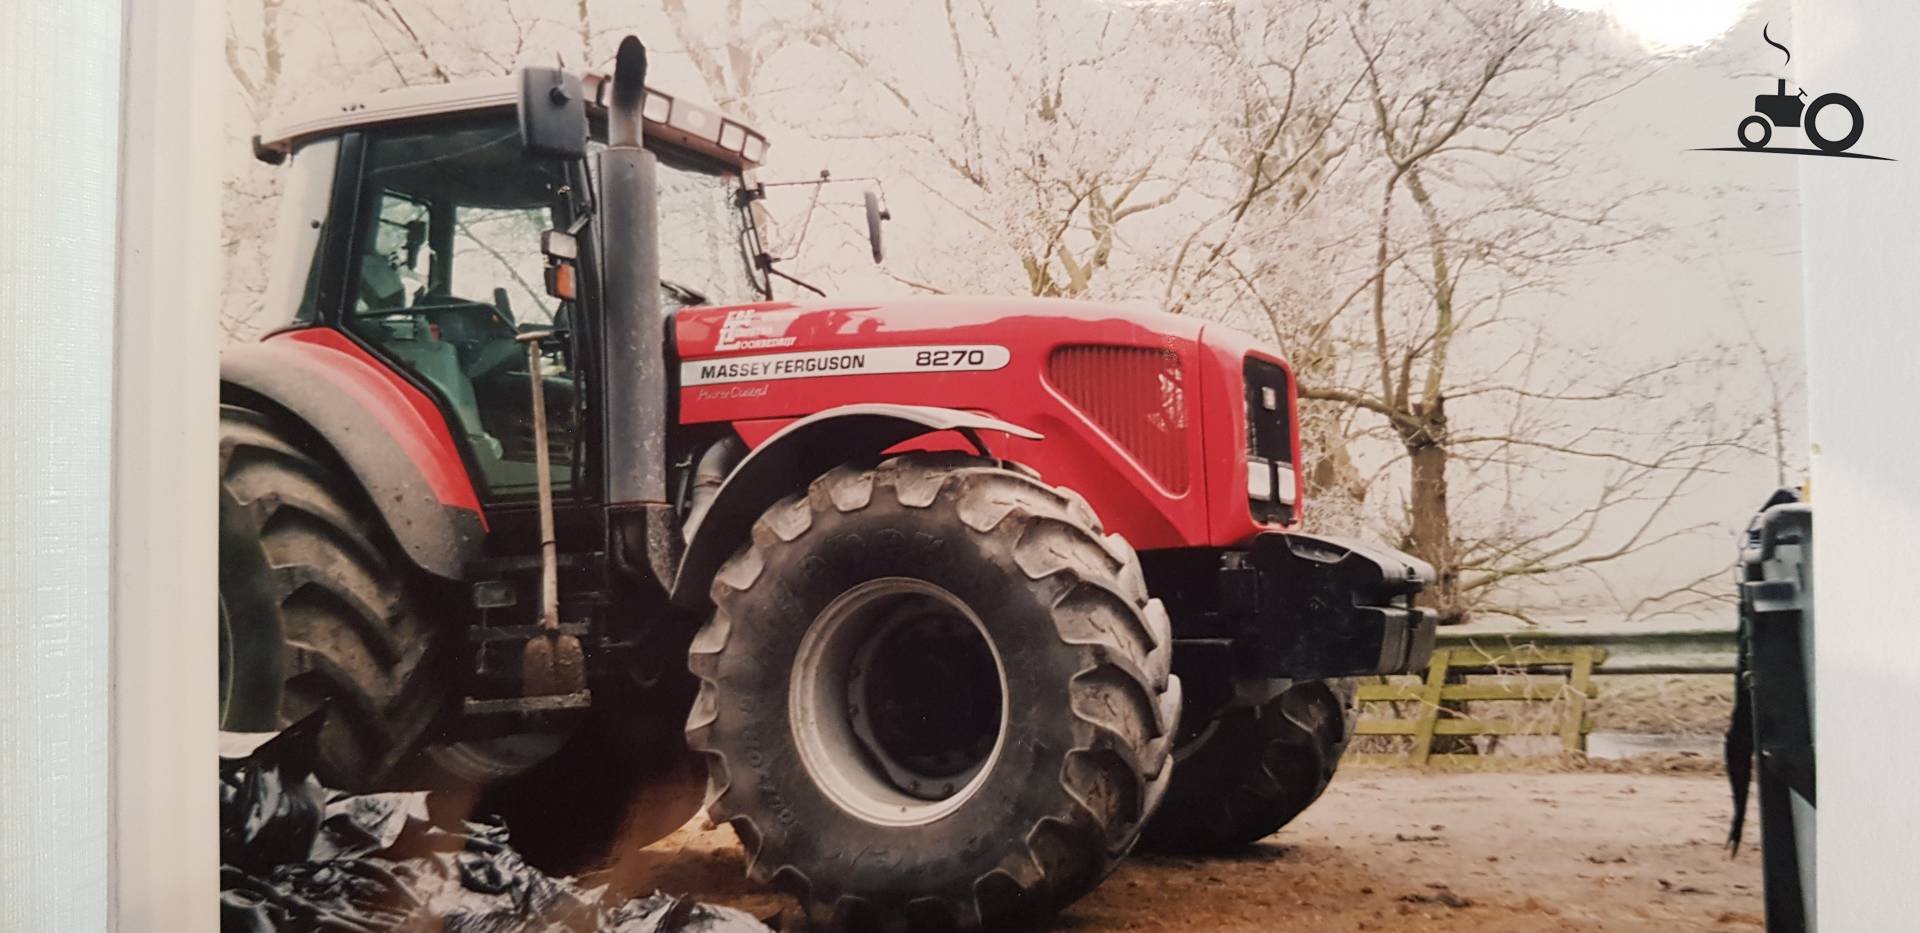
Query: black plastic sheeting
[296, 856]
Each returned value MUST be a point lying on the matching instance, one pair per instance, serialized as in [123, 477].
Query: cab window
[448, 271]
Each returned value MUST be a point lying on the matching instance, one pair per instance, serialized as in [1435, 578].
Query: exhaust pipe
[640, 512]
[636, 417]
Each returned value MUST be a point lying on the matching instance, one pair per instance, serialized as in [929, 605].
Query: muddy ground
[1400, 850]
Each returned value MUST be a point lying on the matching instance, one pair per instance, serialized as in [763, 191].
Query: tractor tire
[933, 696]
[314, 610]
[1252, 770]
[1856, 126]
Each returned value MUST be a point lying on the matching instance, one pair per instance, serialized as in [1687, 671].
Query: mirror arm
[765, 262]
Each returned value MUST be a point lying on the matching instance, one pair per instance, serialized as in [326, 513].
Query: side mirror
[875, 214]
[553, 114]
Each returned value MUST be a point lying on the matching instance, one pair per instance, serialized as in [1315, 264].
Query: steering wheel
[494, 354]
[483, 333]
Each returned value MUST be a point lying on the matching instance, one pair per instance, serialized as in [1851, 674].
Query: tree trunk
[1430, 536]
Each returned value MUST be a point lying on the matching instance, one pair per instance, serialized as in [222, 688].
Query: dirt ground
[1400, 850]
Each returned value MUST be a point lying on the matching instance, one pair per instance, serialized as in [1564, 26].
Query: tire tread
[351, 631]
[1125, 701]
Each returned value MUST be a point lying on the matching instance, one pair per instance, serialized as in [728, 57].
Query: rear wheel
[1856, 124]
[933, 695]
[1251, 771]
[313, 612]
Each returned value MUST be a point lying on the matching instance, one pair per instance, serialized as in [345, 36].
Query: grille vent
[1137, 397]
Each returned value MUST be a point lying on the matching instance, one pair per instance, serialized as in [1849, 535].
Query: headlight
[1260, 480]
[1270, 482]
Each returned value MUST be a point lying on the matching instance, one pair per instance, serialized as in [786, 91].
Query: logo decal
[1783, 110]
[746, 330]
[865, 362]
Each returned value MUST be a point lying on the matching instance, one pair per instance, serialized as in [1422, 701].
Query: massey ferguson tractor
[941, 604]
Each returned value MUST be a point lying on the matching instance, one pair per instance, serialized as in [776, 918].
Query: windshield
[703, 257]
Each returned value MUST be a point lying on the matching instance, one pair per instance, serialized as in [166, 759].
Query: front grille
[1136, 396]
[1269, 432]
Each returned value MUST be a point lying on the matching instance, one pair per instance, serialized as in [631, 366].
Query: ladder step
[529, 562]
[494, 633]
[533, 704]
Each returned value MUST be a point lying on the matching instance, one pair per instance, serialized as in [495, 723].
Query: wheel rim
[898, 701]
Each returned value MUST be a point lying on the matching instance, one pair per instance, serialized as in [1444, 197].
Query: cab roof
[663, 117]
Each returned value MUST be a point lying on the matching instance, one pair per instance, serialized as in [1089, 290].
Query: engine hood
[1139, 410]
[791, 326]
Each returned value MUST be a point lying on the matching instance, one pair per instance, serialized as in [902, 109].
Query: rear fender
[794, 457]
[387, 433]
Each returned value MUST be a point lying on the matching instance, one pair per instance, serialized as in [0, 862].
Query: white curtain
[59, 106]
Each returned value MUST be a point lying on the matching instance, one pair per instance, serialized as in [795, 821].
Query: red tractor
[941, 604]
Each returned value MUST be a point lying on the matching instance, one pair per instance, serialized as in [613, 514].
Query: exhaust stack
[629, 93]
[636, 370]
[640, 517]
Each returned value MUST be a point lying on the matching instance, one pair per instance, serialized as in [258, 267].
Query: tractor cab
[413, 222]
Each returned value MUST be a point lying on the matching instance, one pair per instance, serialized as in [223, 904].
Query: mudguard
[387, 433]
[794, 457]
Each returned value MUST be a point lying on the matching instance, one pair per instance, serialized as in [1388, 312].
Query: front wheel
[1755, 131]
[933, 696]
[1253, 770]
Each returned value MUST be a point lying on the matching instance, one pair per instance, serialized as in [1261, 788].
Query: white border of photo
[165, 817]
[1860, 281]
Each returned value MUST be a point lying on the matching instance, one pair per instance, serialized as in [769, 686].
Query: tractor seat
[438, 362]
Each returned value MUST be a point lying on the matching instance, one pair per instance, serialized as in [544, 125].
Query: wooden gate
[1569, 674]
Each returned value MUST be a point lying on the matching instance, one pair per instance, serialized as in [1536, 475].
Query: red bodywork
[333, 361]
[761, 366]
[1178, 479]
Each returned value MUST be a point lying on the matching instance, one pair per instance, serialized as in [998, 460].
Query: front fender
[794, 457]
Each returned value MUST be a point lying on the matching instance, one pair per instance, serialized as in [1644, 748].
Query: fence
[1570, 659]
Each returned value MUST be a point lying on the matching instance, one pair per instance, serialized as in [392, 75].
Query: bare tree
[1481, 197]
[1040, 133]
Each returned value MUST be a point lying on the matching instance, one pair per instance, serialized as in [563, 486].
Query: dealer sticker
[746, 330]
[868, 361]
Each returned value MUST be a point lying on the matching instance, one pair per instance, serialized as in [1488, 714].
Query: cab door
[446, 272]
